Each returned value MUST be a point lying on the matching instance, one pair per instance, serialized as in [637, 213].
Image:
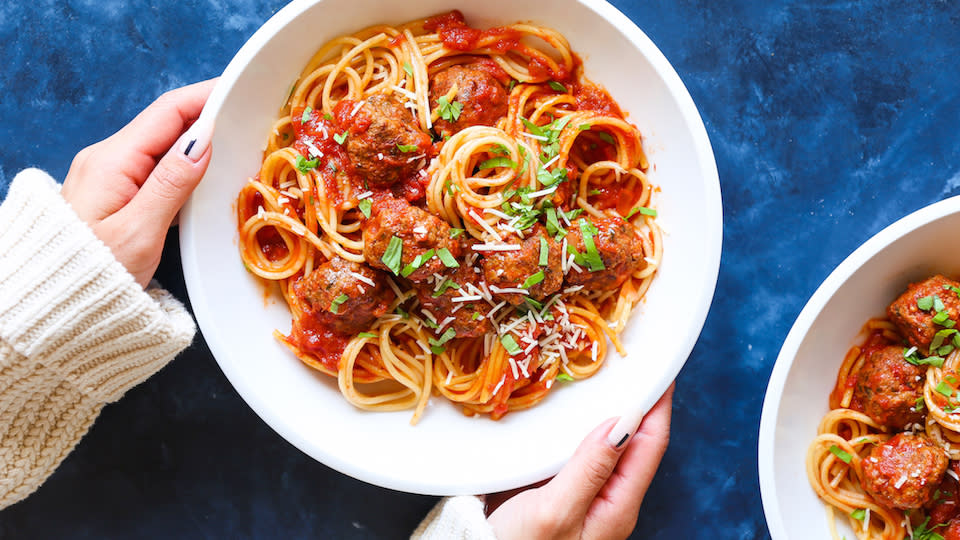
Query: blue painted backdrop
[829, 121]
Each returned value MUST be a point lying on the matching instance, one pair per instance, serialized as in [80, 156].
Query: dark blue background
[829, 121]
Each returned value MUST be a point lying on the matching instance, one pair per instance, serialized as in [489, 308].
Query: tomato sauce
[312, 334]
[591, 97]
[457, 35]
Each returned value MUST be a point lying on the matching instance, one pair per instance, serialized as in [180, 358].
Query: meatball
[617, 244]
[917, 324]
[381, 134]
[888, 388]
[483, 98]
[514, 269]
[346, 303]
[418, 230]
[470, 319]
[904, 471]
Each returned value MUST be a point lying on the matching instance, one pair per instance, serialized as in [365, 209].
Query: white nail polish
[194, 143]
[625, 428]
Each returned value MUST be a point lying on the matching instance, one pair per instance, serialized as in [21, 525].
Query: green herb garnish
[391, 257]
[335, 305]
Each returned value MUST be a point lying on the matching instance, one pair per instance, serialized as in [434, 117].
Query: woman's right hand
[597, 494]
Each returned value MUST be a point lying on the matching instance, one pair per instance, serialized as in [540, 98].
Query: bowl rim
[712, 238]
[798, 334]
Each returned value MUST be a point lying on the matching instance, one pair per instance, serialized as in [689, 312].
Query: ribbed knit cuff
[66, 301]
[455, 518]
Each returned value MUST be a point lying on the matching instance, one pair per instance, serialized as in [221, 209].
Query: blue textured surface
[829, 121]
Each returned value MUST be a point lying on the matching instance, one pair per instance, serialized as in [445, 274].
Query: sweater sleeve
[76, 332]
[455, 518]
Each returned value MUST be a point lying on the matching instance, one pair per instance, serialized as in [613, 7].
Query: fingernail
[624, 429]
[194, 143]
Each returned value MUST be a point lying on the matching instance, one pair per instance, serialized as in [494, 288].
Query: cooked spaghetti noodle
[482, 209]
[885, 455]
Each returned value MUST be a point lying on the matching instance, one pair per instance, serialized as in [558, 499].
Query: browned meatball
[345, 302]
[888, 388]
[619, 248]
[917, 324]
[483, 98]
[418, 230]
[383, 137]
[904, 471]
[470, 317]
[514, 269]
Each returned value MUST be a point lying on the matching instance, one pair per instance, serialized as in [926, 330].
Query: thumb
[578, 482]
[173, 179]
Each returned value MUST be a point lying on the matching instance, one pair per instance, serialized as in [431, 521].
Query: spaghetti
[451, 211]
[885, 454]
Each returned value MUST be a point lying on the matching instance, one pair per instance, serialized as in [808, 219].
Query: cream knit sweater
[76, 332]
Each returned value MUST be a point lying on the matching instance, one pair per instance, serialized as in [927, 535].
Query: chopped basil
[938, 304]
[594, 191]
[940, 337]
[544, 251]
[944, 389]
[858, 514]
[558, 87]
[476, 316]
[606, 137]
[393, 254]
[437, 344]
[592, 256]
[513, 82]
[335, 305]
[584, 127]
[328, 117]
[941, 318]
[510, 345]
[305, 117]
[447, 284]
[402, 313]
[366, 335]
[449, 111]
[563, 377]
[844, 456]
[925, 303]
[500, 150]
[305, 166]
[553, 225]
[642, 210]
[365, 206]
[340, 137]
[548, 178]
[417, 262]
[498, 162]
[408, 68]
[533, 280]
[447, 258]
[455, 232]
[407, 148]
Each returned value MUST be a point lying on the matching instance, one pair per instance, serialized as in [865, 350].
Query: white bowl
[864, 284]
[447, 453]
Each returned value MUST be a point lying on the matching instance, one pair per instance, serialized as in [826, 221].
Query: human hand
[129, 187]
[597, 494]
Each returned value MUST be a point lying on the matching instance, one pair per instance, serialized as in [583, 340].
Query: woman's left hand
[129, 187]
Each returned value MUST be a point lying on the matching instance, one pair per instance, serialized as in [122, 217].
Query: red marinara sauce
[456, 34]
[314, 335]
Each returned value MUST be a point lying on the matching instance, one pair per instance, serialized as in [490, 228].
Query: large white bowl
[448, 453]
[864, 284]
